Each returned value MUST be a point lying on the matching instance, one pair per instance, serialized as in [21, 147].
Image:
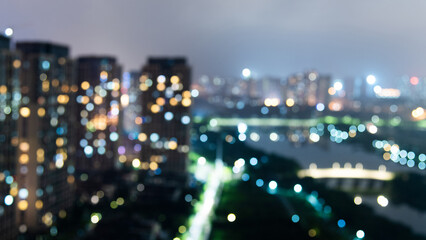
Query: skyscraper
[99, 107]
[10, 98]
[44, 169]
[166, 101]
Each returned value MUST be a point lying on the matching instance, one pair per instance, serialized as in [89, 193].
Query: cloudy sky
[272, 37]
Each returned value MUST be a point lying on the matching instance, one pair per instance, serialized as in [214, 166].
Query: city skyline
[222, 38]
[212, 120]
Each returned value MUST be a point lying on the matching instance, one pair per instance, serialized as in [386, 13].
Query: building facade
[166, 101]
[98, 110]
[10, 98]
[45, 165]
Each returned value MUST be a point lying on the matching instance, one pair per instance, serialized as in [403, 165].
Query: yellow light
[142, 137]
[24, 146]
[332, 91]
[39, 204]
[41, 112]
[74, 88]
[85, 100]
[418, 113]
[104, 75]
[161, 87]
[153, 166]
[47, 219]
[85, 85]
[65, 88]
[59, 142]
[143, 87]
[40, 159]
[63, 99]
[173, 145]
[386, 156]
[186, 102]
[45, 85]
[182, 229]
[138, 120]
[55, 82]
[160, 101]
[267, 102]
[13, 192]
[289, 102]
[387, 147]
[3, 89]
[173, 101]
[122, 158]
[70, 179]
[186, 94]
[16, 63]
[155, 108]
[25, 112]
[22, 205]
[24, 158]
[116, 85]
[98, 100]
[100, 122]
[143, 78]
[174, 79]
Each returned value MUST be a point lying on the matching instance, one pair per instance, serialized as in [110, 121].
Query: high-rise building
[44, 168]
[166, 101]
[10, 98]
[99, 107]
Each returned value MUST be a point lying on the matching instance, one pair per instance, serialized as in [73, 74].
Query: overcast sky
[344, 38]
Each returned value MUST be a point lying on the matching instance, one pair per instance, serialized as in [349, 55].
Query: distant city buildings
[307, 89]
[66, 125]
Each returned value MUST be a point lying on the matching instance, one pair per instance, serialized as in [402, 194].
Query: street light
[246, 73]
[371, 79]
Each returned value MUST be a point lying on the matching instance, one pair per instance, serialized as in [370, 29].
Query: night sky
[344, 38]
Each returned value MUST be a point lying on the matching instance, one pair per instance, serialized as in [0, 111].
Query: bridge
[268, 122]
[347, 172]
[348, 178]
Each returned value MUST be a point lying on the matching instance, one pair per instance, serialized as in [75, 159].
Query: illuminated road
[270, 122]
[201, 223]
[352, 173]
[285, 122]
